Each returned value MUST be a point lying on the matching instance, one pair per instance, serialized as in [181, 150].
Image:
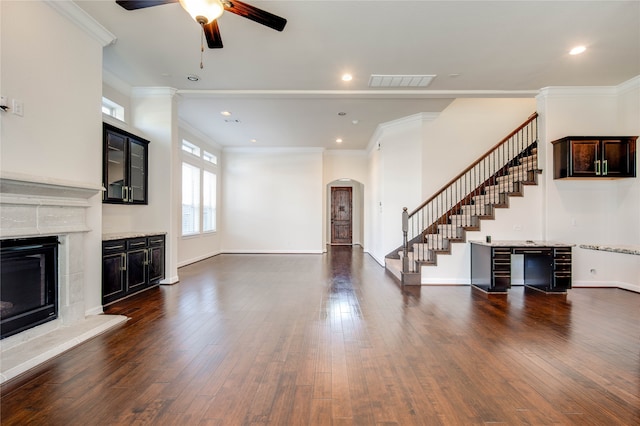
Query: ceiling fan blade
[141, 4]
[257, 15]
[212, 34]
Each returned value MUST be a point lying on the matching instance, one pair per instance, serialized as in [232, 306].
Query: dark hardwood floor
[331, 339]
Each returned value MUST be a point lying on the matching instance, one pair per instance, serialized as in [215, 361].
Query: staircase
[466, 200]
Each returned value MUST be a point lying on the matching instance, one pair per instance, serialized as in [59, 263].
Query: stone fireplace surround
[32, 206]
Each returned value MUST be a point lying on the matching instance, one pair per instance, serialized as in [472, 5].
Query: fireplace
[64, 218]
[28, 283]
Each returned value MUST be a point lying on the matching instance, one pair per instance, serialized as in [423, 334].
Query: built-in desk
[547, 265]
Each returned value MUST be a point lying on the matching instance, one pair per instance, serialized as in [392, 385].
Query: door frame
[357, 210]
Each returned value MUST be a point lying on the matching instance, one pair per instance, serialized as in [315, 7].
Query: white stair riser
[463, 220]
[450, 231]
[503, 187]
[476, 209]
[424, 251]
[491, 198]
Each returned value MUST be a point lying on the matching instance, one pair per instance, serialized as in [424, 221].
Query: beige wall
[55, 69]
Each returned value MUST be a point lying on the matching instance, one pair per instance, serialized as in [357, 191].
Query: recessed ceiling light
[193, 77]
[577, 50]
[339, 140]
[355, 121]
[254, 140]
[347, 77]
[225, 113]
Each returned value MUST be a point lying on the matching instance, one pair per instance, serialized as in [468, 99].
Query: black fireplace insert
[28, 283]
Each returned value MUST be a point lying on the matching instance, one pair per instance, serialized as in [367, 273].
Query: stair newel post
[405, 243]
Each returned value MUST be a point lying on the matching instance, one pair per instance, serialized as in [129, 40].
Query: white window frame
[112, 109]
[193, 205]
[195, 156]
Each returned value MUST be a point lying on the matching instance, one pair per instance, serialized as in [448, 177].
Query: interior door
[341, 215]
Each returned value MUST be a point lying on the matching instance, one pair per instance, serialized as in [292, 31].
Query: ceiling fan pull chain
[201, 44]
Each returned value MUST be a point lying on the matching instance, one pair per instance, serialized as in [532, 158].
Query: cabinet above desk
[594, 157]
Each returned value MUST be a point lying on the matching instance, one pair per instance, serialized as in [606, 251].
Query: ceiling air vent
[379, 80]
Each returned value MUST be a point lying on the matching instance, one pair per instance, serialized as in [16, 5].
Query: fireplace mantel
[16, 188]
[33, 206]
[37, 206]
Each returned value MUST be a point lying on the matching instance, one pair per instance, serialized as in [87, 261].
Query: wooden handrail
[475, 163]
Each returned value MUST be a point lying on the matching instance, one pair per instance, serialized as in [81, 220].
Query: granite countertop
[132, 234]
[625, 249]
[522, 243]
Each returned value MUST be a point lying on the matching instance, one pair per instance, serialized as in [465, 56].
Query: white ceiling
[284, 88]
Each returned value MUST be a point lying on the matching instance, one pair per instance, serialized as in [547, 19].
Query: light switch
[18, 108]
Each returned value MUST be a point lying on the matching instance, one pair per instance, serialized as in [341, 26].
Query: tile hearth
[25, 356]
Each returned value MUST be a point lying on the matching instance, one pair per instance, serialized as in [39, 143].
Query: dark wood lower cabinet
[131, 265]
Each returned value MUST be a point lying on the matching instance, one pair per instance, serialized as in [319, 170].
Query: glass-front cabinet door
[137, 171]
[115, 166]
[125, 176]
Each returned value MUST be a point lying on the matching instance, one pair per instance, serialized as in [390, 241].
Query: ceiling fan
[206, 13]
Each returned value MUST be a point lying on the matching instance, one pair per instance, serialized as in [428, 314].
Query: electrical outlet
[18, 108]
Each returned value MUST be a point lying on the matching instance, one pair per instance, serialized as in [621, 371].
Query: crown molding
[576, 91]
[83, 20]
[359, 94]
[272, 150]
[345, 153]
[629, 85]
[414, 119]
[153, 92]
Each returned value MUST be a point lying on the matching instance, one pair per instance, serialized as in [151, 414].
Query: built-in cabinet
[125, 168]
[594, 157]
[547, 266]
[130, 265]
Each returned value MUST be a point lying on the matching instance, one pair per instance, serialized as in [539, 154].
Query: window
[211, 158]
[190, 148]
[199, 190]
[208, 201]
[112, 109]
[190, 199]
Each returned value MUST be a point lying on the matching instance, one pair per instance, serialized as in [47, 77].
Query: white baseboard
[607, 284]
[97, 310]
[252, 251]
[380, 261]
[447, 281]
[171, 280]
[197, 259]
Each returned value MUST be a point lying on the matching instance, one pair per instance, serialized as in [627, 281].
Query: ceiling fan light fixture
[203, 11]
[577, 50]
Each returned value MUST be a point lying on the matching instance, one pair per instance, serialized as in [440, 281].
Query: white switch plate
[18, 108]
